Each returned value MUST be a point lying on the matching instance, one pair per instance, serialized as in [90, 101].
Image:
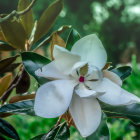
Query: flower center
[81, 79]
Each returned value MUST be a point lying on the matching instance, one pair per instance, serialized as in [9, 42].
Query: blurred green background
[117, 23]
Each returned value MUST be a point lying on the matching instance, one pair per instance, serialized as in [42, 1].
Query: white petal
[64, 59]
[93, 74]
[82, 91]
[115, 95]
[53, 98]
[93, 85]
[93, 79]
[91, 49]
[50, 71]
[86, 113]
[113, 77]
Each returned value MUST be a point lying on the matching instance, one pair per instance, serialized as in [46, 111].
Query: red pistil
[81, 79]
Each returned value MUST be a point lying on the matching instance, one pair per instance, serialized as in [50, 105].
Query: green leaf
[32, 62]
[6, 47]
[123, 72]
[131, 112]
[73, 37]
[2, 138]
[14, 33]
[7, 62]
[39, 137]
[26, 19]
[22, 107]
[102, 131]
[61, 132]
[48, 18]
[24, 83]
[8, 130]
[2, 38]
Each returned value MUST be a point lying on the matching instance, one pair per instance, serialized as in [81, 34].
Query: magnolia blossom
[78, 81]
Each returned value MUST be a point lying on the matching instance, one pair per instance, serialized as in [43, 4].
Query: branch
[18, 13]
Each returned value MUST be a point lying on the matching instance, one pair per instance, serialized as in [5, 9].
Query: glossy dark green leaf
[24, 83]
[26, 19]
[61, 132]
[6, 62]
[10, 68]
[14, 33]
[6, 47]
[48, 18]
[131, 112]
[73, 37]
[2, 138]
[22, 107]
[8, 130]
[123, 72]
[39, 137]
[32, 62]
[102, 132]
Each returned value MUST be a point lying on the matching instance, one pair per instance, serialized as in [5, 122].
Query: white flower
[77, 82]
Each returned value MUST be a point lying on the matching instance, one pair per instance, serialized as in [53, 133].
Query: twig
[58, 122]
[18, 13]
[69, 122]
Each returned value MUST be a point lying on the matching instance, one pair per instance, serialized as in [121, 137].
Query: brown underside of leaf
[10, 89]
[6, 47]
[24, 83]
[4, 83]
[56, 40]
[48, 39]
[5, 63]
[107, 65]
[10, 68]
[3, 115]
[21, 98]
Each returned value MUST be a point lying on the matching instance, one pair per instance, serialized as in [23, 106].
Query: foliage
[23, 37]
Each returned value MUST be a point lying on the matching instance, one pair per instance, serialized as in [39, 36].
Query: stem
[18, 13]
[69, 122]
[59, 120]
